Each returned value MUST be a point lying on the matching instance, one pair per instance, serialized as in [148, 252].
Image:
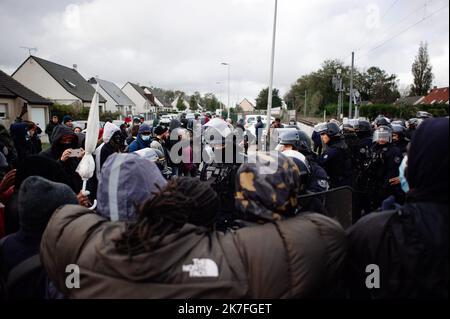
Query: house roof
[10, 87]
[246, 100]
[436, 96]
[139, 90]
[113, 91]
[69, 79]
[152, 97]
[408, 100]
[160, 97]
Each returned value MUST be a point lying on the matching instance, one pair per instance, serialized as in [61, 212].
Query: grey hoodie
[126, 181]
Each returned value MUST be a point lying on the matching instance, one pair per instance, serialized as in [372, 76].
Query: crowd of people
[159, 221]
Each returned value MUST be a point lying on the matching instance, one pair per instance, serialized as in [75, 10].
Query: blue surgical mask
[145, 138]
[403, 182]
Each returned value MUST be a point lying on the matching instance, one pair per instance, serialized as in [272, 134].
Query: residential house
[187, 104]
[409, 100]
[116, 100]
[247, 106]
[184, 101]
[14, 95]
[436, 96]
[138, 96]
[156, 104]
[167, 105]
[58, 83]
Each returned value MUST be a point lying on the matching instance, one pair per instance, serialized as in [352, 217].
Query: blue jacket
[138, 144]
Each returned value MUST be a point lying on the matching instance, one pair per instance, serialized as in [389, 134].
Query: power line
[381, 19]
[384, 31]
[389, 9]
[403, 31]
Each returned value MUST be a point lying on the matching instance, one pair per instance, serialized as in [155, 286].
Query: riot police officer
[363, 131]
[382, 173]
[381, 121]
[220, 166]
[411, 126]
[336, 159]
[300, 142]
[352, 141]
[398, 138]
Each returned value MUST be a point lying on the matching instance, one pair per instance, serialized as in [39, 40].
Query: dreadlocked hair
[183, 200]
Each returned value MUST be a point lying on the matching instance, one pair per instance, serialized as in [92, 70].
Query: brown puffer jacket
[298, 257]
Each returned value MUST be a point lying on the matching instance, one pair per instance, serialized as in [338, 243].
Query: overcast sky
[179, 44]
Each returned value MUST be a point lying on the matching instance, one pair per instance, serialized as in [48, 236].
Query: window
[3, 112]
[70, 83]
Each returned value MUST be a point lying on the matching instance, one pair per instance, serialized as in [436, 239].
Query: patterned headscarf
[267, 189]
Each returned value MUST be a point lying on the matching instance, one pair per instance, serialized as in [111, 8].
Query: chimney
[75, 67]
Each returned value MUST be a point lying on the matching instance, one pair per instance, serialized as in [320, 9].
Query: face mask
[279, 148]
[145, 138]
[403, 182]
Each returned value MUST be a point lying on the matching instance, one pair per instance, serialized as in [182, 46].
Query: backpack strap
[2, 241]
[28, 265]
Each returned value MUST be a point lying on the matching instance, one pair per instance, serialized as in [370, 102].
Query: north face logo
[202, 268]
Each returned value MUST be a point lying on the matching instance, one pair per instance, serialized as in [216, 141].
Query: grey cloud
[179, 44]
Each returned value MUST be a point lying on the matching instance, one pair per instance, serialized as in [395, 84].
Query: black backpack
[27, 280]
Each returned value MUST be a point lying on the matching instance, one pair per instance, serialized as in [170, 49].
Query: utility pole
[351, 87]
[228, 113]
[269, 100]
[306, 92]
[337, 81]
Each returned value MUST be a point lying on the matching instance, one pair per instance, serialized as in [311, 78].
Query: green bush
[78, 112]
[402, 111]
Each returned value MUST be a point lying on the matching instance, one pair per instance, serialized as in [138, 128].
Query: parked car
[165, 119]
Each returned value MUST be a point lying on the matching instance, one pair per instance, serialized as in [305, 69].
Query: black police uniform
[337, 163]
[222, 176]
[317, 183]
[402, 145]
[385, 163]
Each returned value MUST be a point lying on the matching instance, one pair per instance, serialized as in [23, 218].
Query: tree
[210, 102]
[421, 69]
[193, 103]
[261, 100]
[180, 103]
[319, 85]
[377, 86]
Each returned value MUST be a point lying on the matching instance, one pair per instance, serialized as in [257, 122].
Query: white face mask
[145, 138]
[403, 182]
[279, 148]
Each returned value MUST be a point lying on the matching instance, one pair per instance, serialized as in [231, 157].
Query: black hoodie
[409, 245]
[56, 150]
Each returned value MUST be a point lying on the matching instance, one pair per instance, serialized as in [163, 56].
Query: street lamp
[269, 100]
[337, 81]
[220, 95]
[228, 102]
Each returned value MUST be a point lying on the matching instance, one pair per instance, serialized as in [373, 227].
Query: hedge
[78, 112]
[402, 111]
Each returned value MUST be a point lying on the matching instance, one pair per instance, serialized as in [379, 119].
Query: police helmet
[382, 134]
[303, 165]
[413, 123]
[423, 115]
[331, 129]
[348, 128]
[382, 121]
[398, 129]
[398, 122]
[363, 126]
